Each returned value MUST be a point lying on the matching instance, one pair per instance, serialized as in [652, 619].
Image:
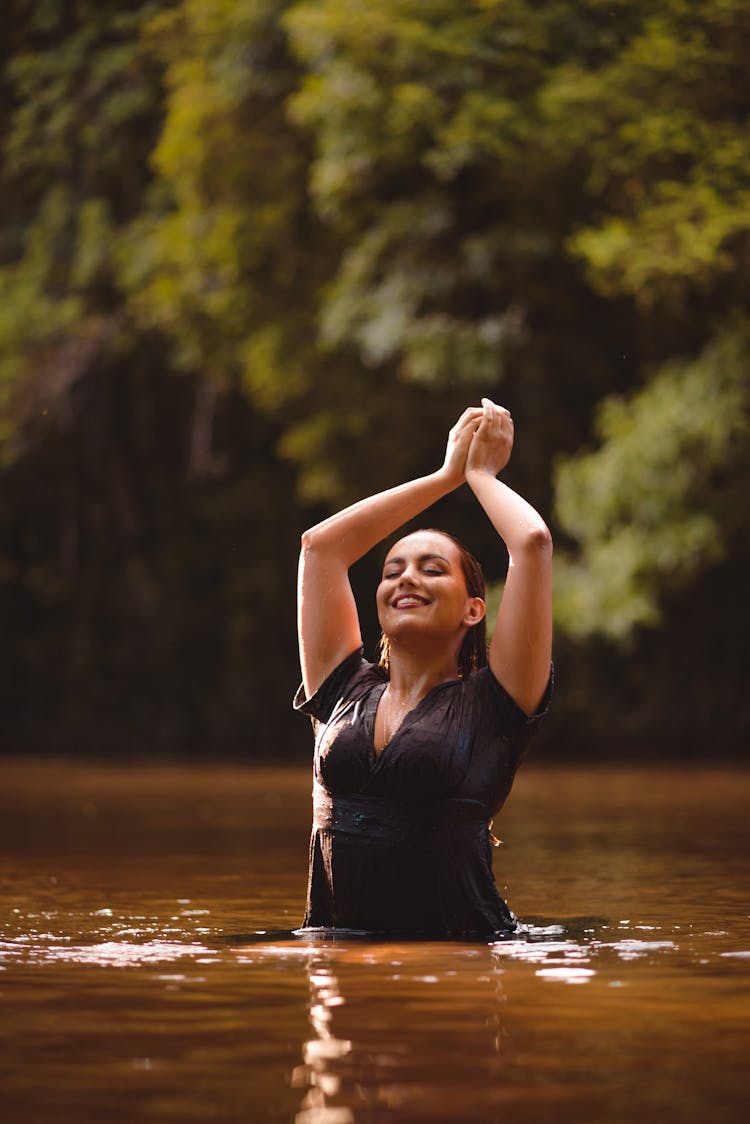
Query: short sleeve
[516, 718]
[499, 719]
[337, 686]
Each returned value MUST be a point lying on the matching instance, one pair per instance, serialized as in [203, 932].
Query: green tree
[661, 499]
[135, 599]
[661, 129]
[79, 126]
[255, 251]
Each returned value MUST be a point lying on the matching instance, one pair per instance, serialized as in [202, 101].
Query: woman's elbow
[538, 541]
[316, 543]
[533, 547]
[312, 539]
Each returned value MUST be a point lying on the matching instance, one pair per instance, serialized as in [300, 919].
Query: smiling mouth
[410, 602]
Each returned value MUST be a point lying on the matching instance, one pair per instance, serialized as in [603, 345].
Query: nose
[407, 576]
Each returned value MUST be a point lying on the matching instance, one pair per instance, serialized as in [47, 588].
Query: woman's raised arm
[328, 622]
[521, 649]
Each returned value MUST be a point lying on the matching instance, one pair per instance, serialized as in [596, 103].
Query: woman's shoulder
[482, 689]
[351, 679]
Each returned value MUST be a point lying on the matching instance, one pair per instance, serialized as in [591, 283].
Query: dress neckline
[374, 702]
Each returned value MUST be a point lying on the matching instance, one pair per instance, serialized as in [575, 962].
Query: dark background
[254, 261]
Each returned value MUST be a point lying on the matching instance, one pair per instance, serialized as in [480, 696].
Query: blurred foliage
[658, 500]
[76, 141]
[256, 256]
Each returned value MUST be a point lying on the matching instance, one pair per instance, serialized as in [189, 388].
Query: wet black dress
[400, 841]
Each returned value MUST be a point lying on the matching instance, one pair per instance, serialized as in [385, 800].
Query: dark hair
[473, 651]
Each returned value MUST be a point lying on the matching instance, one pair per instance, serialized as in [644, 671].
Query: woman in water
[416, 754]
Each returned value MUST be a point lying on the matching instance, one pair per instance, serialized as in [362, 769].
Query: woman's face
[423, 589]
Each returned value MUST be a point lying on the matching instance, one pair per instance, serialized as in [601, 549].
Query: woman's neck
[411, 676]
[410, 679]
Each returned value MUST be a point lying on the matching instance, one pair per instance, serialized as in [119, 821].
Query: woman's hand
[459, 441]
[492, 442]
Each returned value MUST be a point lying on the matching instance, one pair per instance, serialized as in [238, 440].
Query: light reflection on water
[148, 970]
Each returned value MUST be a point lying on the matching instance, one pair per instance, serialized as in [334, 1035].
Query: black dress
[400, 840]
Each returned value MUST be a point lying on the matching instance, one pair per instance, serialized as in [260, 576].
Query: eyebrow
[398, 560]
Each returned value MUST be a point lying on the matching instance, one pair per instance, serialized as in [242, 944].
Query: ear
[475, 611]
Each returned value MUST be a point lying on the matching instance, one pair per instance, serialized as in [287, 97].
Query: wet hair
[473, 651]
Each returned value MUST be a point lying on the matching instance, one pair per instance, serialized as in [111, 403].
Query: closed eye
[426, 563]
[429, 570]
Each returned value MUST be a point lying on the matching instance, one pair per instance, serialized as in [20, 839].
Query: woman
[414, 756]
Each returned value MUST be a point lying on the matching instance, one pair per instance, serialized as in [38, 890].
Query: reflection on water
[149, 972]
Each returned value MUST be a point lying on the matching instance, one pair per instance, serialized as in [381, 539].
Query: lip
[408, 601]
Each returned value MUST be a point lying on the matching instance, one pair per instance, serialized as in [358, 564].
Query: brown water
[134, 985]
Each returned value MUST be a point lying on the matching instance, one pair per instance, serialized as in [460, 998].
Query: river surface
[148, 972]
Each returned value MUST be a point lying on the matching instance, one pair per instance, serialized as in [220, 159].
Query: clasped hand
[480, 441]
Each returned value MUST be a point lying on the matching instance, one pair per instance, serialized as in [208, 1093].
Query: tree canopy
[255, 257]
